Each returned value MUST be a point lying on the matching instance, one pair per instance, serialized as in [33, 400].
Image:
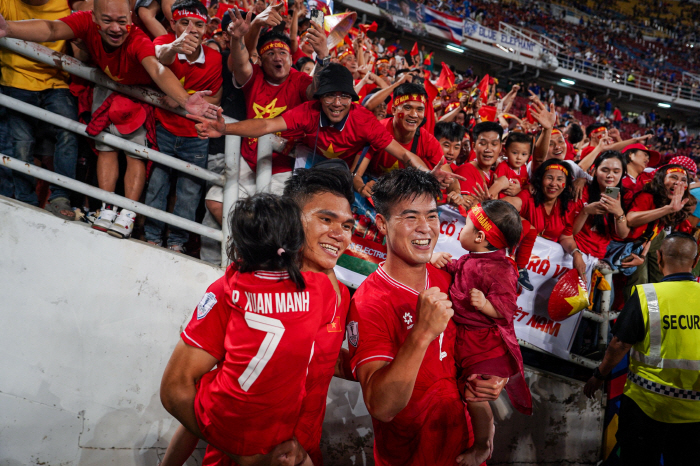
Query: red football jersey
[474, 176]
[366, 89]
[503, 169]
[269, 337]
[434, 427]
[194, 77]
[123, 65]
[641, 203]
[321, 369]
[634, 185]
[361, 128]
[550, 226]
[429, 150]
[265, 100]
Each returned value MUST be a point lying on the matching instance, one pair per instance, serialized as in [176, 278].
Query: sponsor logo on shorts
[353, 333]
[205, 305]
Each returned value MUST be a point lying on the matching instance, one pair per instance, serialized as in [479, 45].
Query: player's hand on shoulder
[434, 311]
[440, 259]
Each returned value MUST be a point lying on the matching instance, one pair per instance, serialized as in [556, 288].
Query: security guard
[660, 323]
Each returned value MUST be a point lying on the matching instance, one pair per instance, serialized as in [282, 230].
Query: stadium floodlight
[454, 48]
[570, 82]
[664, 105]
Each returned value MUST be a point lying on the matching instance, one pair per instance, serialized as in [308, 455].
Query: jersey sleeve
[524, 196]
[577, 171]
[374, 132]
[79, 23]
[165, 39]
[300, 119]
[432, 151]
[141, 46]
[207, 327]
[369, 333]
[302, 81]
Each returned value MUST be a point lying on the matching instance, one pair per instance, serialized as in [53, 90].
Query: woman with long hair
[548, 210]
[600, 217]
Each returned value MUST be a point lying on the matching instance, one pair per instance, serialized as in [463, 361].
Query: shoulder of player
[372, 293]
[211, 54]
[439, 278]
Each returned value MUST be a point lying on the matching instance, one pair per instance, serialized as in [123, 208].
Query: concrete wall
[89, 322]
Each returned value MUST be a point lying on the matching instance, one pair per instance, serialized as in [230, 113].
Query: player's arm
[36, 30]
[168, 83]
[239, 58]
[342, 366]
[501, 183]
[387, 386]
[317, 39]
[251, 128]
[215, 99]
[186, 367]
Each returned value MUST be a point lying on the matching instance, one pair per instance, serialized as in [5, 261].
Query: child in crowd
[511, 176]
[450, 135]
[274, 311]
[484, 300]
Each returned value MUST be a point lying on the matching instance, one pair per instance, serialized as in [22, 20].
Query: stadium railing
[228, 180]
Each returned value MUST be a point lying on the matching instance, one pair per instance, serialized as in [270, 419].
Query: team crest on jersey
[205, 305]
[353, 333]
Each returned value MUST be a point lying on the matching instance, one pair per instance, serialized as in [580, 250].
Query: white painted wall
[89, 322]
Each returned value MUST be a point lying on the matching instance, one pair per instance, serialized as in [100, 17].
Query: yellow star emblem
[189, 91]
[388, 169]
[268, 111]
[579, 301]
[109, 73]
[330, 153]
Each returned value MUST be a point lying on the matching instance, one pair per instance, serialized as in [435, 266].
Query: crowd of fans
[577, 170]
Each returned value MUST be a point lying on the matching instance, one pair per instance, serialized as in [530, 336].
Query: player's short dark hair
[307, 182]
[592, 127]
[506, 218]
[190, 5]
[301, 62]
[449, 130]
[409, 88]
[518, 138]
[487, 127]
[575, 133]
[273, 35]
[261, 225]
[402, 184]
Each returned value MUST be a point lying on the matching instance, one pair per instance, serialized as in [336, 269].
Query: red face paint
[401, 115]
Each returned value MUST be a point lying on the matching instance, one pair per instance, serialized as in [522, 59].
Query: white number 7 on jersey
[275, 330]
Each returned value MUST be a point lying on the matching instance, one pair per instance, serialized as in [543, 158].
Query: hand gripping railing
[228, 180]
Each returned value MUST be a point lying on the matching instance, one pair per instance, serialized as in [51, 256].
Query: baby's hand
[477, 299]
[440, 259]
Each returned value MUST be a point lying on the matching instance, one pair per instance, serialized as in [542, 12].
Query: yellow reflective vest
[664, 377]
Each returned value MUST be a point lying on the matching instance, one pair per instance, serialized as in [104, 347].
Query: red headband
[555, 131]
[400, 100]
[483, 223]
[676, 170]
[275, 44]
[599, 130]
[556, 166]
[344, 55]
[179, 14]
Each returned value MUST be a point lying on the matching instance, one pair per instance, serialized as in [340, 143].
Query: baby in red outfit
[484, 294]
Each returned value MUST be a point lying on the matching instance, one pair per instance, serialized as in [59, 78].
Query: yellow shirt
[20, 72]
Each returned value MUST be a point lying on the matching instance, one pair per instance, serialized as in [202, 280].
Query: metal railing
[232, 152]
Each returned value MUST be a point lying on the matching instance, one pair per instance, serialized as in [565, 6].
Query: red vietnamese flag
[428, 59]
[432, 92]
[368, 27]
[391, 49]
[414, 50]
[484, 88]
[447, 77]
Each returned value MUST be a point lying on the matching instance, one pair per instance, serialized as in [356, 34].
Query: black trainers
[524, 280]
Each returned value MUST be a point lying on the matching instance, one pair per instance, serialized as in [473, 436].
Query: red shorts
[483, 351]
[227, 426]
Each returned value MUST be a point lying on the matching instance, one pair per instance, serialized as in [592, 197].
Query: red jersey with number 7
[251, 402]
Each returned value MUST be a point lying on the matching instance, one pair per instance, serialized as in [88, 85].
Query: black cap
[332, 164]
[335, 78]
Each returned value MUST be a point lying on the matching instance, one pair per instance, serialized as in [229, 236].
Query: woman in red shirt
[549, 209]
[599, 217]
[639, 158]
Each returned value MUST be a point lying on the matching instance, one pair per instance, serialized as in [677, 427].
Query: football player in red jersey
[324, 196]
[401, 335]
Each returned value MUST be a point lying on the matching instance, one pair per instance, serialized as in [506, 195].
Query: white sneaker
[123, 225]
[105, 220]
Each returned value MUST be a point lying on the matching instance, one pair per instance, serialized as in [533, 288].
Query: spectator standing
[617, 118]
[683, 138]
[199, 69]
[577, 102]
[127, 56]
[46, 87]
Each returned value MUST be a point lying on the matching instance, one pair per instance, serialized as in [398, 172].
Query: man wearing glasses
[333, 126]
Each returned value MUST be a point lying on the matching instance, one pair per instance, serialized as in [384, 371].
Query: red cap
[654, 157]
[685, 162]
[568, 298]
[127, 115]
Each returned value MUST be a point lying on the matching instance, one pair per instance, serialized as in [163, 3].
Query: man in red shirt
[127, 56]
[401, 335]
[198, 68]
[271, 88]
[332, 126]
